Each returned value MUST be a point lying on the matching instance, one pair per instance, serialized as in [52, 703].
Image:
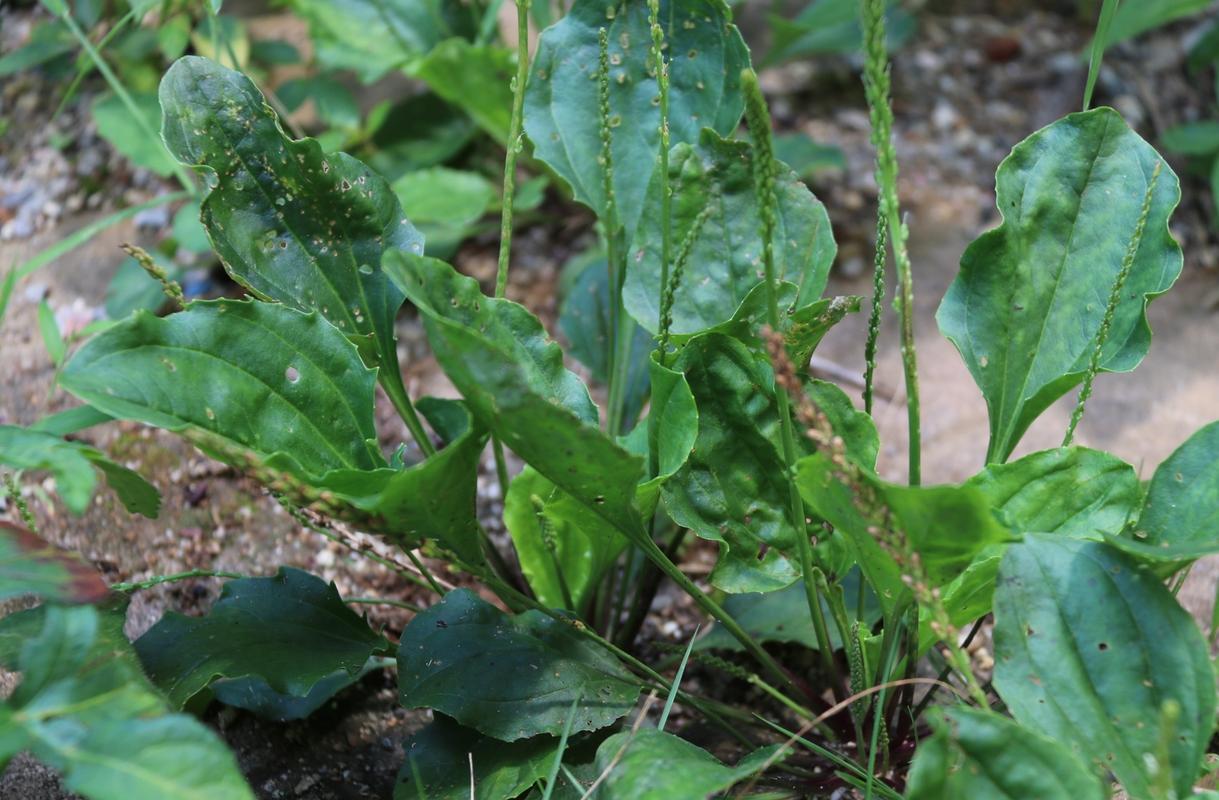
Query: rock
[152, 219]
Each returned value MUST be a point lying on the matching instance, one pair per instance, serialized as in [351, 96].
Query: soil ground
[976, 79]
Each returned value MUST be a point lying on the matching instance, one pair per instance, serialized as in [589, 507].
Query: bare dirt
[959, 110]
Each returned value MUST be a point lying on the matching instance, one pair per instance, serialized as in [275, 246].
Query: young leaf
[1026, 307]
[289, 222]
[441, 753]
[540, 666]
[539, 516]
[84, 708]
[974, 754]
[29, 565]
[498, 356]
[648, 763]
[704, 92]
[1180, 518]
[73, 464]
[259, 377]
[1091, 648]
[291, 631]
[715, 177]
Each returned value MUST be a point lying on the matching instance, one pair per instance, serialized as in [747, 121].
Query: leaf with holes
[540, 666]
[974, 754]
[1026, 307]
[707, 55]
[290, 631]
[715, 218]
[1090, 647]
[289, 222]
[30, 565]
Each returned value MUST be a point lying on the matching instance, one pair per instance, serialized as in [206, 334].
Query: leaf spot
[292, 374]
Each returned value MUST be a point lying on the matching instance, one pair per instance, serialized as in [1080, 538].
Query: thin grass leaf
[681, 669]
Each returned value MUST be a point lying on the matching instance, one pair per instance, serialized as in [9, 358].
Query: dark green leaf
[708, 55]
[1090, 647]
[540, 666]
[116, 125]
[335, 105]
[253, 694]
[476, 78]
[29, 565]
[1193, 138]
[290, 223]
[974, 754]
[1180, 518]
[1026, 307]
[713, 181]
[274, 52]
[291, 631]
[653, 765]
[512, 377]
[806, 157]
[84, 708]
[442, 752]
[72, 464]
[421, 131]
[256, 376]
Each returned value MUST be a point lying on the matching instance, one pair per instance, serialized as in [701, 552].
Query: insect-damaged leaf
[1026, 307]
[715, 207]
[540, 666]
[707, 55]
[975, 754]
[512, 378]
[291, 631]
[1091, 648]
[289, 222]
[30, 565]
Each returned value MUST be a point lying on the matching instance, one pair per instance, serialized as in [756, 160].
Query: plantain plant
[832, 588]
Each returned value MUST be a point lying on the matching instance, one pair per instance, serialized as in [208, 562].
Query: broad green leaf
[648, 764]
[1089, 647]
[806, 157]
[1131, 19]
[1070, 491]
[540, 666]
[584, 318]
[512, 378]
[255, 695]
[421, 131]
[72, 464]
[707, 55]
[475, 77]
[713, 182]
[445, 204]
[84, 708]
[732, 488]
[372, 37]
[335, 105]
[289, 222]
[585, 546]
[256, 376]
[116, 125]
[291, 631]
[1026, 307]
[1193, 138]
[969, 595]
[440, 755]
[832, 26]
[974, 754]
[30, 565]
[1180, 518]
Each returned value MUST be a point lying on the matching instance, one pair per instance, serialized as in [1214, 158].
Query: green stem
[391, 382]
[758, 120]
[877, 87]
[117, 87]
[157, 580]
[425, 572]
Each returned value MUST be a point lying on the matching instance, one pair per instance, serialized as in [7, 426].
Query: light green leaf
[116, 125]
[653, 765]
[48, 40]
[974, 754]
[29, 565]
[1026, 307]
[806, 157]
[291, 631]
[540, 666]
[1180, 518]
[708, 55]
[585, 545]
[288, 222]
[1090, 647]
[133, 288]
[475, 77]
[512, 377]
[442, 752]
[713, 181]
[72, 464]
[257, 377]
[445, 204]
[1131, 19]
[84, 708]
